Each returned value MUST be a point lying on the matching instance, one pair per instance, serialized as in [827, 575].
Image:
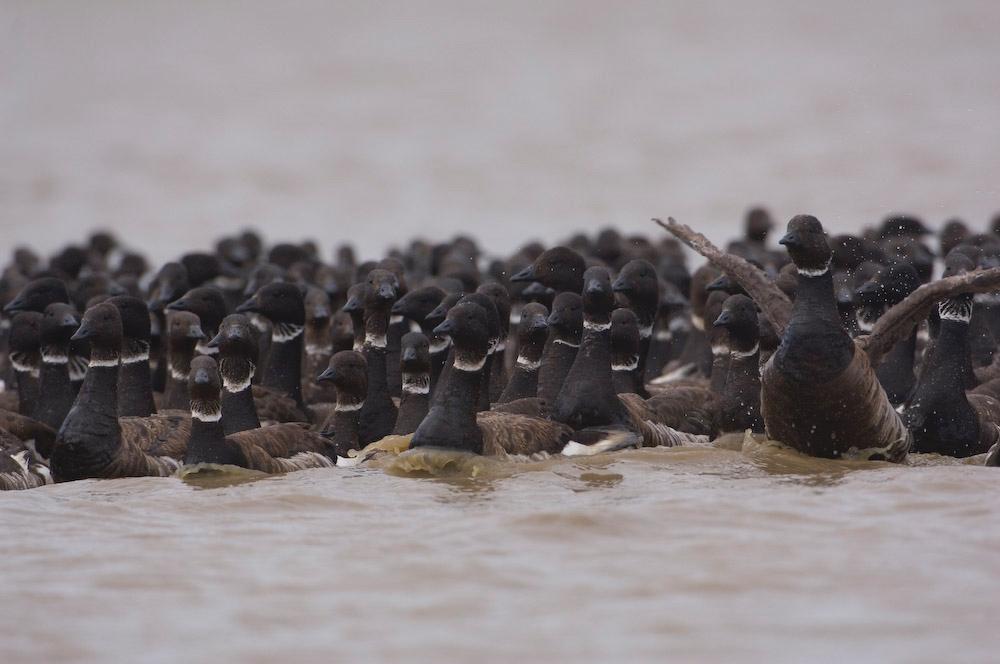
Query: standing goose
[806, 401]
[279, 448]
[91, 441]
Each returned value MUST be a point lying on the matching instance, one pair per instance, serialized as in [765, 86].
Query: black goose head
[102, 327]
[25, 339]
[467, 324]
[201, 267]
[598, 298]
[534, 326]
[624, 333]
[559, 268]
[638, 283]
[59, 323]
[237, 337]
[205, 301]
[317, 304]
[492, 317]
[536, 292]
[355, 300]
[500, 297]
[279, 302]
[135, 317]
[438, 313]
[394, 266]
[169, 284]
[38, 294]
[807, 246]
[205, 389]
[418, 303]
[889, 286]
[566, 319]
[348, 371]
[183, 327]
[415, 353]
[739, 317]
[381, 290]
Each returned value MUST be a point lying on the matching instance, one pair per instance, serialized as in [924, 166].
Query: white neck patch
[375, 340]
[525, 364]
[744, 354]
[348, 407]
[54, 358]
[818, 272]
[285, 332]
[97, 362]
[566, 343]
[631, 365]
[234, 386]
[596, 327]
[469, 366]
[206, 415]
[440, 346]
[140, 356]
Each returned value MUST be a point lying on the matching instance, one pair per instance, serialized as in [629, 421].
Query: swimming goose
[452, 421]
[278, 448]
[91, 442]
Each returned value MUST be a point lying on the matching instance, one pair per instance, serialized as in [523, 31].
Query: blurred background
[371, 123]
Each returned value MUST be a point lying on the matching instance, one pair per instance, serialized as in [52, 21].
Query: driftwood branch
[895, 324]
[771, 300]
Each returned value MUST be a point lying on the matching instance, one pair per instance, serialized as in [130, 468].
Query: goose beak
[529, 273]
[84, 332]
[725, 318]
[445, 328]
[195, 332]
[790, 239]
[329, 374]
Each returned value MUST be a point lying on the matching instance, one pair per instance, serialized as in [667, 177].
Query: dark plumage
[565, 330]
[209, 305]
[588, 397]
[638, 288]
[278, 448]
[91, 442]
[378, 415]
[183, 334]
[452, 421]
[283, 305]
[740, 405]
[559, 268]
[532, 332]
[415, 366]
[135, 391]
[348, 372]
[59, 324]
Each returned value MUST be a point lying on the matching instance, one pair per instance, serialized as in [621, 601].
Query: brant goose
[415, 366]
[823, 398]
[91, 442]
[739, 408]
[379, 412]
[59, 324]
[452, 421]
[348, 371]
[532, 332]
[278, 448]
[565, 331]
[183, 335]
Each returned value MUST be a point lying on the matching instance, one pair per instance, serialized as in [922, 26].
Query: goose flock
[272, 359]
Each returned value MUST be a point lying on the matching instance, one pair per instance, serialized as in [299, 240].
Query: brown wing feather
[282, 440]
[508, 433]
[895, 324]
[772, 301]
[162, 434]
[274, 405]
[655, 433]
[258, 459]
